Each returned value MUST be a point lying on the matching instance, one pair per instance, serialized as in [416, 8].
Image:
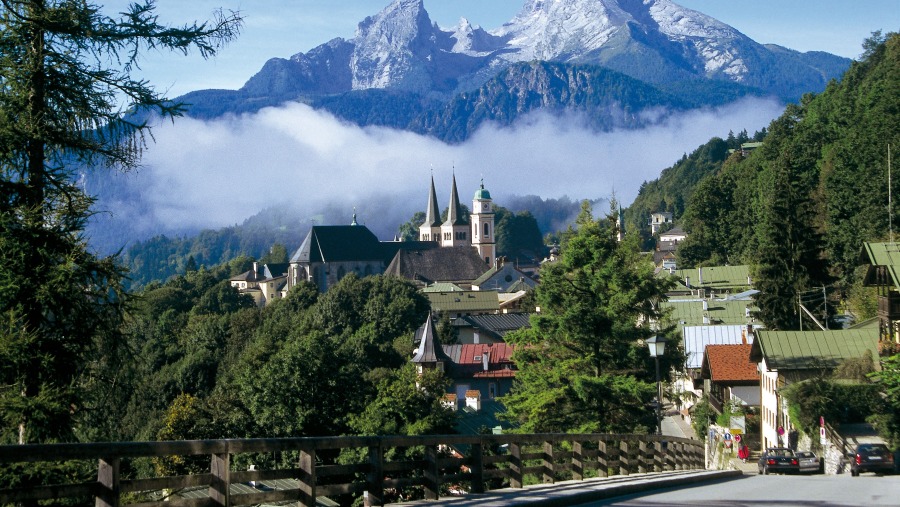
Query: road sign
[822, 435]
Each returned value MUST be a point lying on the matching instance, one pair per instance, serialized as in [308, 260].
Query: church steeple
[430, 230]
[455, 231]
[432, 213]
[455, 215]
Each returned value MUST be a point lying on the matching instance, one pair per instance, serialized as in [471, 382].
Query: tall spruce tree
[582, 366]
[65, 68]
[789, 258]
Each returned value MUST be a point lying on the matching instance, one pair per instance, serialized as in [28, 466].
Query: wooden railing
[508, 460]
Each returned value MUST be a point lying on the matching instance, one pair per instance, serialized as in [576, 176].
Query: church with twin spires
[457, 231]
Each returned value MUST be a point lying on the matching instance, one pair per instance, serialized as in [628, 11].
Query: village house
[658, 220]
[883, 272]
[729, 376]
[479, 373]
[264, 283]
[786, 357]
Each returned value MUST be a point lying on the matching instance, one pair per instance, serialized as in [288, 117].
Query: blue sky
[281, 28]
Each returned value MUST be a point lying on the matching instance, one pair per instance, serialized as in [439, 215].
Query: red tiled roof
[729, 363]
[495, 374]
[498, 353]
[473, 393]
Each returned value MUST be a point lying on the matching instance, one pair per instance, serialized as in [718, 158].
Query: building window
[487, 232]
[492, 390]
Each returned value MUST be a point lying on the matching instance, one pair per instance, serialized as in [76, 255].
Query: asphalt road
[775, 491]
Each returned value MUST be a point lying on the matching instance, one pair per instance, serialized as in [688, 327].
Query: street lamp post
[657, 345]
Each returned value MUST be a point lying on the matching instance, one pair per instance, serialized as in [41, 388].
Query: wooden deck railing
[491, 460]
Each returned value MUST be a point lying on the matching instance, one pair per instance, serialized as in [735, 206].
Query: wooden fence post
[624, 458]
[642, 456]
[307, 477]
[602, 459]
[432, 473]
[108, 479]
[477, 468]
[515, 465]
[220, 485]
[577, 461]
[375, 486]
[548, 464]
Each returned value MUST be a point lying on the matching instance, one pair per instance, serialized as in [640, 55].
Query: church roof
[432, 213]
[481, 193]
[336, 243]
[451, 264]
[455, 214]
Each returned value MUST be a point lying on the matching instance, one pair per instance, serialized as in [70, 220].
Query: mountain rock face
[401, 55]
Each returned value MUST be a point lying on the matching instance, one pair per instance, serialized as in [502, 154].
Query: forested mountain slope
[800, 206]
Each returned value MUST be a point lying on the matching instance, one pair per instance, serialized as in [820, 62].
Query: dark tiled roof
[729, 363]
[337, 243]
[498, 324]
[450, 264]
[246, 276]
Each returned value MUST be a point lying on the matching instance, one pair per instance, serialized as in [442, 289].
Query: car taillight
[858, 459]
[793, 462]
[771, 461]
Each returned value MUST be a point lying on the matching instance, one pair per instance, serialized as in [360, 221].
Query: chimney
[473, 399]
[687, 282]
[449, 401]
[743, 337]
[705, 305]
[485, 359]
[700, 276]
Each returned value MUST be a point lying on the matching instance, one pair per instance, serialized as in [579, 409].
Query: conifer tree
[582, 366]
[65, 68]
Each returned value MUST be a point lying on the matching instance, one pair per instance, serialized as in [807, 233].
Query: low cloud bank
[210, 174]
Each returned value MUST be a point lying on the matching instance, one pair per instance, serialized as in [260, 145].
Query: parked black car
[872, 458]
[778, 459]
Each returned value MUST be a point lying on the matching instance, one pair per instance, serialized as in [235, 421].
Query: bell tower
[482, 218]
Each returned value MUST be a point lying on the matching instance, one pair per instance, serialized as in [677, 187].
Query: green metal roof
[465, 301]
[716, 278]
[481, 193]
[886, 255]
[802, 350]
[690, 312]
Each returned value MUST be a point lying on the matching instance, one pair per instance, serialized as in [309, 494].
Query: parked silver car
[809, 462]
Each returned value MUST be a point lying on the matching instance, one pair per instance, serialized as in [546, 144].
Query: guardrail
[490, 461]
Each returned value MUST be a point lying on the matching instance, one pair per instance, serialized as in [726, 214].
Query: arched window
[487, 231]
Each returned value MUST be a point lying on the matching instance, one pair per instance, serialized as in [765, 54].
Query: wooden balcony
[889, 307]
[491, 460]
